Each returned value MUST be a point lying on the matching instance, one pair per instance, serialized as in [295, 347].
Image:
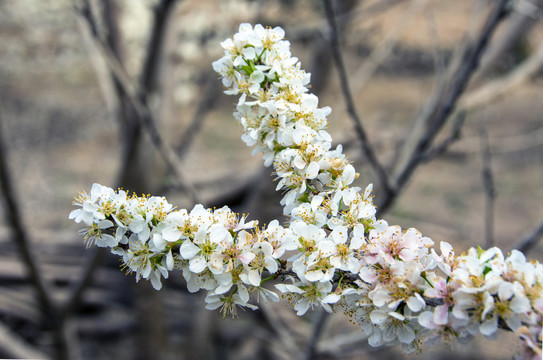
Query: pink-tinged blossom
[335, 249]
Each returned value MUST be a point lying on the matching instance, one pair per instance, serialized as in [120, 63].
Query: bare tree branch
[446, 143]
[13, 346]
[149, 73]
[490, 189]
[367, 149]
[318, 328]
[206, 103]
[518, 25]
[15, 221]
[530, 240]
[144, 114]
[281, 330]
[336, 346]
[528, 8]
[495, 89]
[77, 289]
[443, 105]
[385, 47]
[322, 58]
[50, 312]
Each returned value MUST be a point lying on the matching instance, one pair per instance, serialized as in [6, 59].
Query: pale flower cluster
[334, 250]
[216, 249]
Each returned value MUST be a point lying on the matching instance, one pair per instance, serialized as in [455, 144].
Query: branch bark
[13, 346]
[49, 309]
[490, 189]
[367, 149]
[18, 229]
[530, 240]
[441, 107]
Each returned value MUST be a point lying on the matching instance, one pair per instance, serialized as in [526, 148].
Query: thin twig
[490, 189]
[318, 329]
[445, 144]
[280, 330]
[65, 350]
[145, 116]
[13, 346]
[154, 48]
[15, 221]
[437, 50]
[77, 289]
[441, 109]
[530, 240]
[204, 106]
[337, 345]
[497, 88]
[367, 149]
[360, 14]
[321, 63]
[385, 47]
[516, 27]
[530, 9]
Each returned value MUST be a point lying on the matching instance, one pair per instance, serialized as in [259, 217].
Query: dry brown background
[61, 137]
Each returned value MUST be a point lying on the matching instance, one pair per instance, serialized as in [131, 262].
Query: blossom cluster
[217, 250]
[334, 250]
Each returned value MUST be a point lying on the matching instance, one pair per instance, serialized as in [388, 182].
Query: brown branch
[13, 346]
[530, 240]
[367, 149]
[49, 309]
[385, 47]
[143, 114]
[517, 26]
[18, 229]
[318, 328]
[77, 289]
[441, 107]
[528, 8]
[322, 58]
[281, 330]
[454, 135]
[490, 189]
[497, 88]
[206, 103]
[155, 47]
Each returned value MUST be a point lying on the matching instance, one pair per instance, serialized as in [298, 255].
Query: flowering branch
[334, 251]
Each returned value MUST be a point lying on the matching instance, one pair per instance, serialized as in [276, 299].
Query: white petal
[416, 303]
[331, 299]
[489, 327]
[171, 234]
[188, 250]
[301, 307]
[376, 339]
[155, 280]
[243, 293]
[378, 317]
[349, 174]
[406, 335]
[197, 264]
[312, 170]
[441, 314]
[106, 241]
[425, 320]
[169, 260]
[314, 275]
[254, 278]
[286, 288]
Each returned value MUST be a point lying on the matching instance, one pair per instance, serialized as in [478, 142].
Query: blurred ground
[61, 137]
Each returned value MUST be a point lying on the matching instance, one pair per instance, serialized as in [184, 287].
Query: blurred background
[121, 92]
